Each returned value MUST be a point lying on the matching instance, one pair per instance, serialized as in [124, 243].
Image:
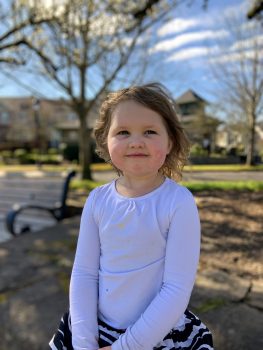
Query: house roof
[189, 96]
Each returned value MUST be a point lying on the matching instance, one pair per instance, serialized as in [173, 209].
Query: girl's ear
[170, 145]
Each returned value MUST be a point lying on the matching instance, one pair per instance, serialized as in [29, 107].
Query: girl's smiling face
[138, 141]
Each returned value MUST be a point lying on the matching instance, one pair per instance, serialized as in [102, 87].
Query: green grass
[223, 167]
[3, 298]
[193, 186]
[85, 185]
[210, 304]
[202, 167]
[64, 280]
[197, 186]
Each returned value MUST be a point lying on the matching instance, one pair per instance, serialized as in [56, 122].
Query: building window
[72, 136]
[23, 116]
[24, 106]
[71, 117]
[60, 109]
[4, 117]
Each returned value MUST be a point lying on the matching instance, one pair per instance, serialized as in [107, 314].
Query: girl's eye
[123, 132]
[150, 132]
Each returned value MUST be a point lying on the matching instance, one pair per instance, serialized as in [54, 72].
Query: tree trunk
[251, 142]
[84, 149]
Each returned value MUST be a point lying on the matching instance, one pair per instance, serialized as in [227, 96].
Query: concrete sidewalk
[34, 278]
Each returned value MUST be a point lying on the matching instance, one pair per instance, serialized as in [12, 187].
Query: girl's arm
[181, 260]
[84, 283]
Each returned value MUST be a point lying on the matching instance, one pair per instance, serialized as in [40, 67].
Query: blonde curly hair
[155, 97]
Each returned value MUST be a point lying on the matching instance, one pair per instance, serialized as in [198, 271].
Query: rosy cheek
[115, 152]
[112, 146]
[160, 154]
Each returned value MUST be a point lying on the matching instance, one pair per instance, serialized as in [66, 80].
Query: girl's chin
[139, 169]
[139, 172]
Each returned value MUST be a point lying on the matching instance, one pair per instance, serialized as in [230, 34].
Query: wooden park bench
[28, 217]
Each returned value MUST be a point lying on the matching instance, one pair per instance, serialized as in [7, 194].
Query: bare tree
[237, 65]
[83, 49]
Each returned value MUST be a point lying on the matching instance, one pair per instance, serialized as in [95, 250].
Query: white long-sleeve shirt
[135, 265]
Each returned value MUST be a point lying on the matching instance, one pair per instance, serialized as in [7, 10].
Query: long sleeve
[181, 260]
[84, 283]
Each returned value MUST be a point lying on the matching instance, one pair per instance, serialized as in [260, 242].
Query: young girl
[139, 239]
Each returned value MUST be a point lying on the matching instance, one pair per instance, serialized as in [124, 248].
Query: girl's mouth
[137, 155]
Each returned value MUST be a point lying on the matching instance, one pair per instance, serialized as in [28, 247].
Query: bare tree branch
[241, 76]
[255, 9]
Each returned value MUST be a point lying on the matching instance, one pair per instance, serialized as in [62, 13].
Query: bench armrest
[12, 216]
[58, 211]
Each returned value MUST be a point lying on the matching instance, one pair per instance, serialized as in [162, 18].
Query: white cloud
[188, 53]
[177, 25]
[240, 50]
[187, 38]
[234, 57]
[247, 26]
[256, 41]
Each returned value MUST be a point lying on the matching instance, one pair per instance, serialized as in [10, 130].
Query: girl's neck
[133, 187]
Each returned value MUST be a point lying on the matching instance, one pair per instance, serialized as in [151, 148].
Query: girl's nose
[136, 141]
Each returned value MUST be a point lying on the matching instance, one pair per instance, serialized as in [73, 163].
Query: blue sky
[186, 42]
[179, 58]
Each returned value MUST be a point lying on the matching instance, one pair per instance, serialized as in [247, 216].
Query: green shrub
[6, 156]
[52, 159]
[197, 150]
[53, 151]
[21, 156]
[20, 152]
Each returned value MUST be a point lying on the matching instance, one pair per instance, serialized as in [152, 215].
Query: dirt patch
[232, 232]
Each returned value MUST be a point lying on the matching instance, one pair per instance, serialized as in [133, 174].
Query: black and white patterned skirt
[192, 335]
